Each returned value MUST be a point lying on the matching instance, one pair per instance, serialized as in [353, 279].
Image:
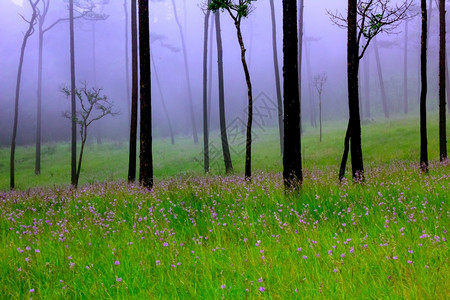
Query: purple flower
[118, 279]
[410, 262]
[158, 262]
[222, 286]
[305, 257]
[410, 251]
[260, 279]
[117, 262]
[166, 244]
[37, 251]
[262, 289]
[299, 249]
[343, 224]
[335, 270]
[31, 290]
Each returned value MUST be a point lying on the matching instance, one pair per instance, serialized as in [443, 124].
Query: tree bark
[381, 80]
[277, 74]
[442, 83]
[73, 100]
[205, 92]
[353, 101]
[423, 93]
[134, 94]
[345, 155]
[127, 60]
[188, 79]
[146, 156]
[27, 34]
[300, 58]
[37, 166]
[222, 119]
[292, 160]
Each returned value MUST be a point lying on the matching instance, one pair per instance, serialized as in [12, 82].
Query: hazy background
[324, 51]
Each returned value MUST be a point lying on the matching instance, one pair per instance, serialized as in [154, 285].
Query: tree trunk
[405, 71]
[37, 166]
[292, 160]
[188, 79]
[146, 157]
[442, 83]
[27, 34]
[353, 101]
[73, 100]
[320, 115]
[300, 57]
[222, 119]
[210, 70]
[163, 102]
[248, 142]
[80, 159]
[345, 155]
[134, 94]
[205, 93]
[423, 93]
[277, 74]
[312, 110]
[381, 80]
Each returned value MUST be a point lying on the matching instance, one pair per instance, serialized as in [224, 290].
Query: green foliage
[243, 8]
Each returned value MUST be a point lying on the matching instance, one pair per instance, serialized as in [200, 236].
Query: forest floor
[211, 237]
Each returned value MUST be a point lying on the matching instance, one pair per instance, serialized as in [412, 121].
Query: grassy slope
[384, 142]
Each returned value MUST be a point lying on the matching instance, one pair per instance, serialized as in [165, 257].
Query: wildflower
[410, 251]
[395, 257]
[410, 262]
[158, 262]
[305, 257]
[31, 290]
[118, 279]
[87, 267]
[260, 279]
[222, 286]
[330, 252]
[351, 250]
[299, 249]
[343, 255]
[37, 251]
[335, 270]
[262, 289]
[19, 269]
[166, 244]
[27, 259]
[117, 262]
[344, 224]
[426, 267]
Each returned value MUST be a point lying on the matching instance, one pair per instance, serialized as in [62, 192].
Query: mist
[100, 62]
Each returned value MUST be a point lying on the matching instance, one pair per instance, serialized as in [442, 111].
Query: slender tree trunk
[127, 60]
[345, 155]
[163, 102]
[405, 71]
[146, 156]
[320, 114]
[300, 57]
[222, 118]
[27, 34]
[134, 94]
[188, 79]
[73, 100]
[248, 143]
[423, 93]
[381, 80]
[277, 74]
[37, 166]
[442, 83]
[447, 82]
[353, 101]
[210, 70]
[292, 159]
[205, 93]
[83, 142]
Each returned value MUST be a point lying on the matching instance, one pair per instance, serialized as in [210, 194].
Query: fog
[102, 64]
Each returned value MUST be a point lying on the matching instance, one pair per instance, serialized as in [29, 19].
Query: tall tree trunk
[423, 93]
[163, 102]
[277, 74]
[248, 142]
[188, 79]
[381, 80]
[405, 71]
[345, 155]
[442, 83]
[222, 119]
[205, 93]
[447, 77]
[353, 101]
[27, 34]
[300, 57]
[292, 160]
[127, 60]
[312, 110]
[37, 166]
[320, 116]
[146, 157]
[73, 100]
[210, 71]
[134, 94]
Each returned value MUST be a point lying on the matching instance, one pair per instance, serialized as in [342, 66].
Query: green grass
[212, 237]
[384, 142]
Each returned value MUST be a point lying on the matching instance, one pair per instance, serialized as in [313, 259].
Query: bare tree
[188, 78]
[442, 86]
[146, 154]
[73, 161]
[28, 33]
[238, 10]
[93, 107]
[319, 81]
[365, 20]
[292, 158]
[423, 92]
[205, 92]
[134, 94]
[277, 73]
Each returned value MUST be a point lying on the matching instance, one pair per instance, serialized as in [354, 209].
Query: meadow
[216, 236]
